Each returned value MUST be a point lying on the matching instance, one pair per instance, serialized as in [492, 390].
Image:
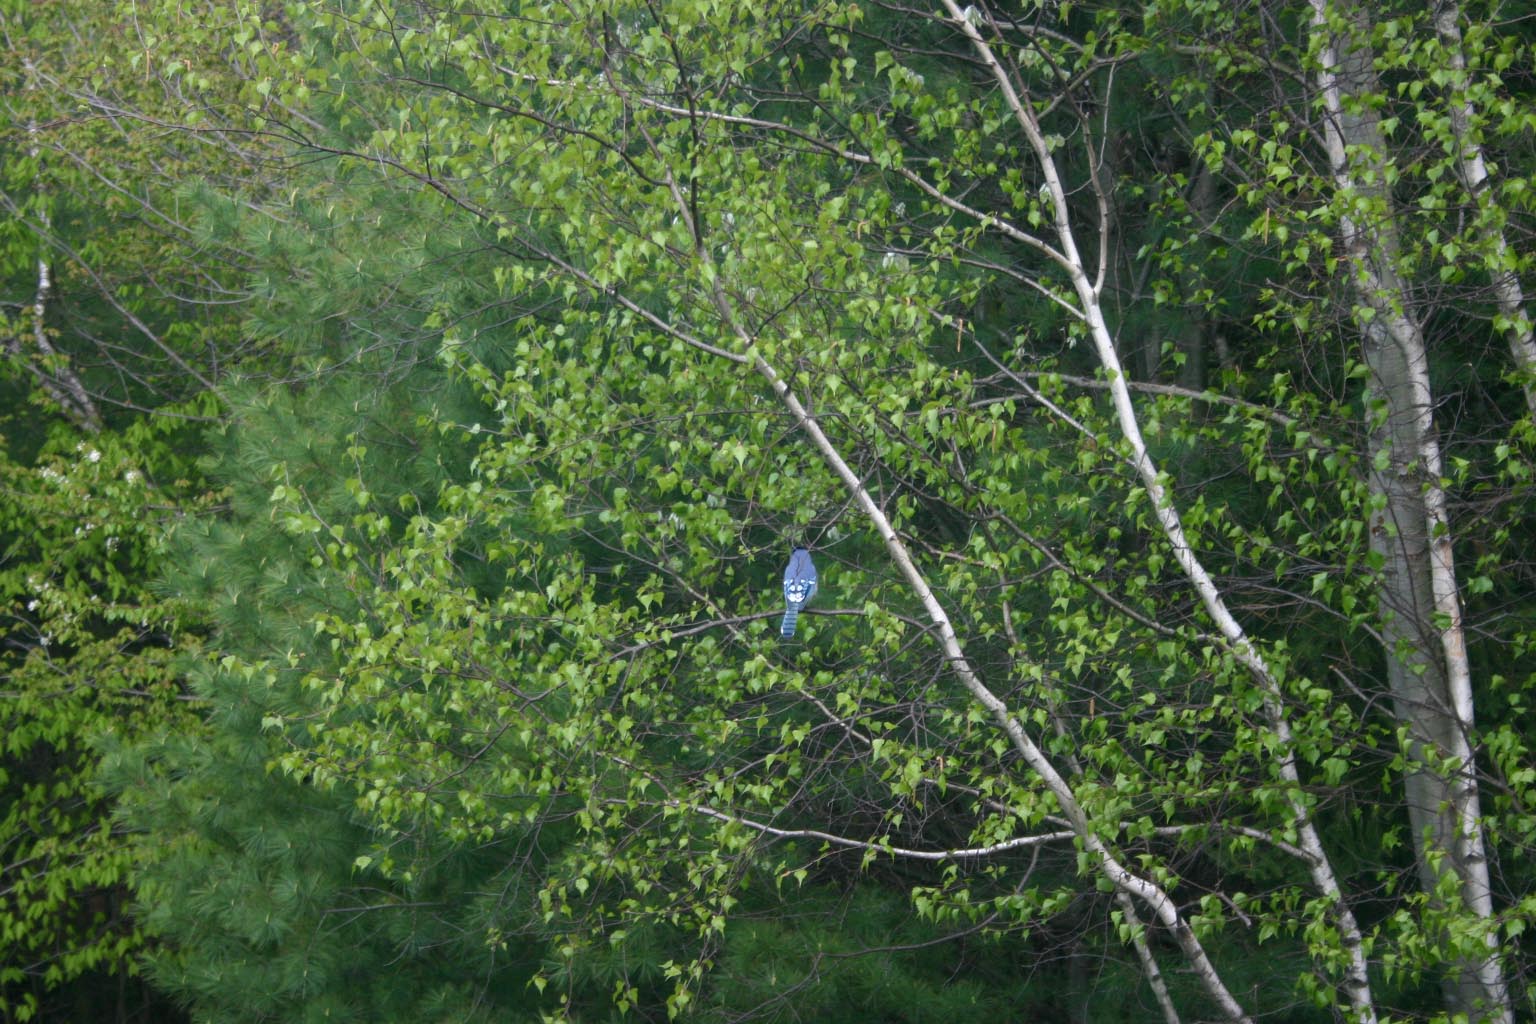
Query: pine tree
[264, 888]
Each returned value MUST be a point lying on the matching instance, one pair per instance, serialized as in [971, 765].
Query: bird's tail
[787, 628]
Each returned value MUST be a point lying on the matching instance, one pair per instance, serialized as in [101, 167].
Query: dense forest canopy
[411, 408]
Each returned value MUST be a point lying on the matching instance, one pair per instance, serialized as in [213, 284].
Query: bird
[799, 587]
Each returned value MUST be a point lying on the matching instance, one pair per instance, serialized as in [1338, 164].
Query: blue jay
[799, 587]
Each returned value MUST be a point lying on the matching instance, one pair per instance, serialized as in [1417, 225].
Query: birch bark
[1427, 668]
[1509, 295]
[1355, 984]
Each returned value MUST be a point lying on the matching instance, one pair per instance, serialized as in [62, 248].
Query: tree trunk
[1427, 668]
[1508, 294]
[1354, 979]
[51, 371]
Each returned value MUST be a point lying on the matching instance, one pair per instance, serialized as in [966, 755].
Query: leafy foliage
[1058, 338]
[89, 652]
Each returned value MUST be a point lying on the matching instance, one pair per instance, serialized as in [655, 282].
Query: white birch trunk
[1426, 646]
[58, 380]
[1508, 295]
[1356, 982]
